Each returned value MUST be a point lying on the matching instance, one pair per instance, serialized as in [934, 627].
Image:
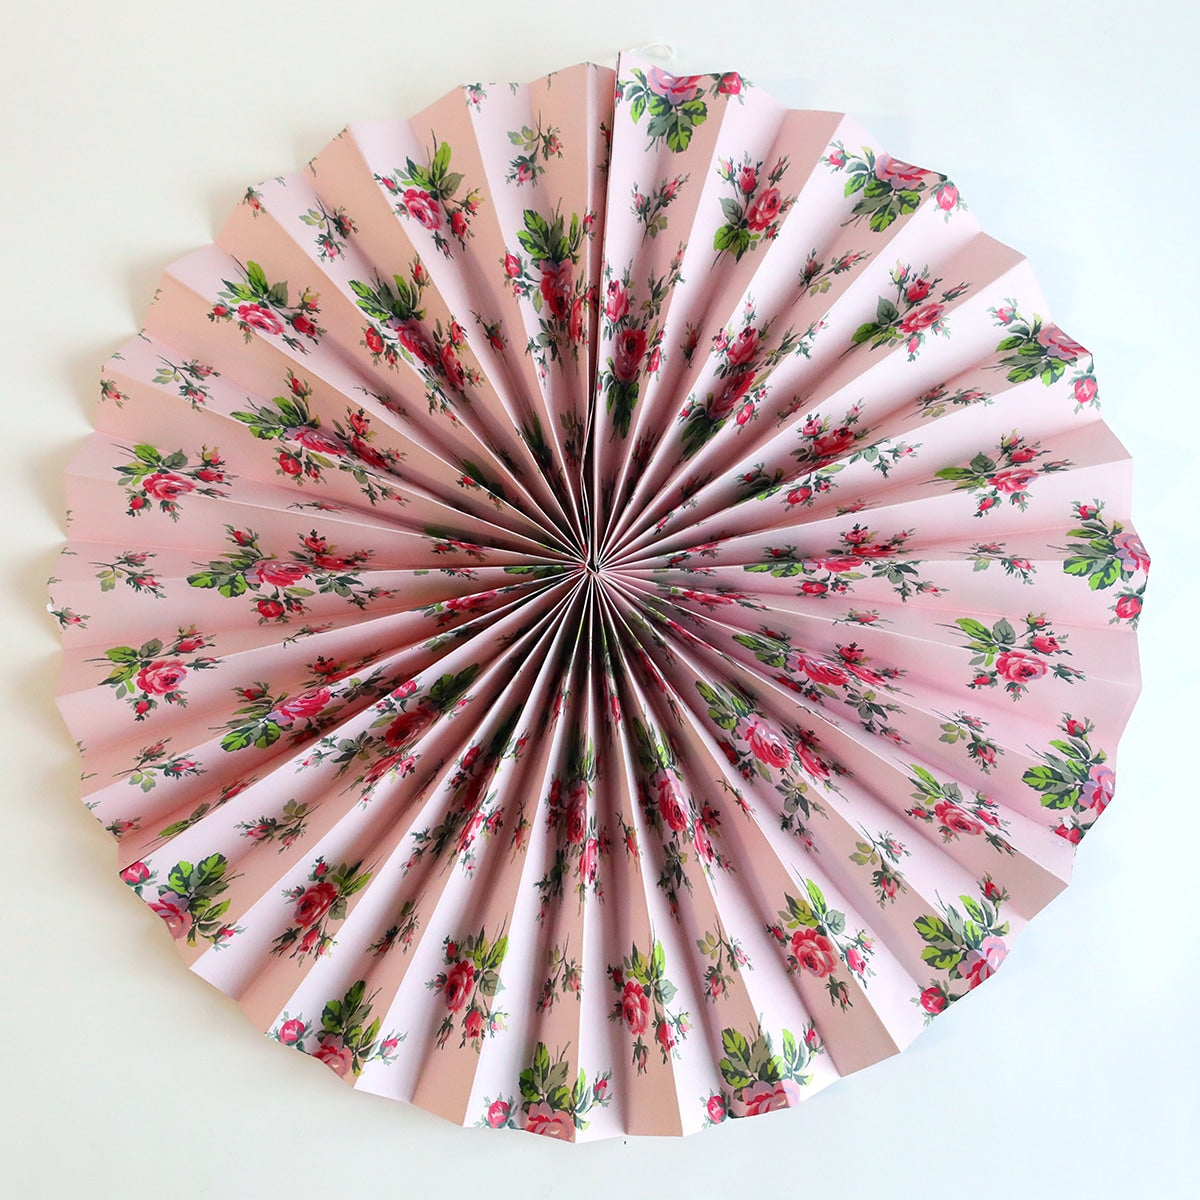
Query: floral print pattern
[152, 479]
[637, 747]
[913, 315]
[1006, 476]
[468, 985]
[1105, 553]
[643, 995]
[964, 945]
[155, 672]
[815, 940]
[255, 305]
[278, 588]
[346, 1037]
[1001, 655]
[675, 105]
[1074, 778]
[757, 1077]
[429, 197]
[188, 898]
[317, 904]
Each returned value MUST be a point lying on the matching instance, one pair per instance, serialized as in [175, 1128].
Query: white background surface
[131, 128]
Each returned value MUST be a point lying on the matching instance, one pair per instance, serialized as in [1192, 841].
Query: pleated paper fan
[601, 608]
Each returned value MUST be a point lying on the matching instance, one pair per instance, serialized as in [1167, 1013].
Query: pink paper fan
[602, 608]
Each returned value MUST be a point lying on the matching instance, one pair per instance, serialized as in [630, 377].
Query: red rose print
[820, 671]
[764, 210]
[1127, 607]
[589, 860]
[575, 321]
[306, 705]
[665, 1036]
[741, 349]
[703, 843]
[577, 820]
[635, 1007]
[497, 1114]
[412, 337]
[473, 1024]
[260, 318]
[322, 443]
[453, 368]
[730, 84]
[947, 196]
[166, 485]
[335, 1056]
[289, 464]
[548, 1122]
[736, 387]
[459, 982]
[834, 443]
[1132, 552]
[423, 207]
[812, 764]
[922, 318]
[1014, 479]
[678, 89]
[767, 744]
[1085, 390]
[458, 222]
[173, 909]
[556, 287]
[628, 354]
[136, 872]
[917, 291]
[1099, 788]
[814, 952]
[616, 303]
[407, 726]
[161, 676]
[270, 610]
[290, 1032]
[933, 1000]
[748, 179]
[315, 902]
[764, 1097]
[277, 572]
[715, 1107]
[1044, 643]
[957, 819]
[1018, 666]
[899, 174]
[1058, 344]
[302, 325]
[670, 805]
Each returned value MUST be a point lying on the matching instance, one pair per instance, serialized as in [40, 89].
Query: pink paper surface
[601, 608]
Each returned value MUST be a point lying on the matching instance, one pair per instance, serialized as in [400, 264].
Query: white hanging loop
[663, 51]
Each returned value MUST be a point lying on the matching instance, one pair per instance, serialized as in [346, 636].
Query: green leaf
[736, 1047]
[974, 630]
[886, 312]
[933, 929]
[256, 277]
[724, 238]
[541, 1061]
[942, 959]
[1004, 633]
